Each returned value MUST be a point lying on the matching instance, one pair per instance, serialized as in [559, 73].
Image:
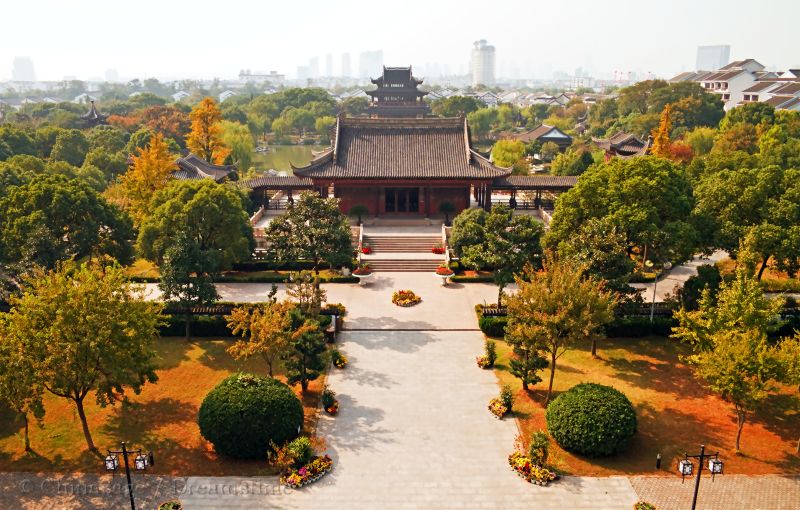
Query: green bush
[472, 279]
[301, 451]
[245, 413]
[507, 396]
[707, 277]
[493, 326]
[335, 309]
[639, 326]
[592, 420]
[540, 448]
[203, 326]
[490, 347]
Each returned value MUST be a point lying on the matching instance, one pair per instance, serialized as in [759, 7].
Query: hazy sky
[202, 38]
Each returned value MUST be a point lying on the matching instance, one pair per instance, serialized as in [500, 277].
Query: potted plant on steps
[362, 272]
[359, 211]
[444, 273]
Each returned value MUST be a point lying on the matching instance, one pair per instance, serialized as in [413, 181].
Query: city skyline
[570, 39]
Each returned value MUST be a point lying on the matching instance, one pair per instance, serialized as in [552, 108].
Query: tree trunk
[500, 296]
[86, 432]
[594, 347]
[740, 417]
[188, 326]
[763, 267]
[316, 273]
[26, 439]
[552, 376]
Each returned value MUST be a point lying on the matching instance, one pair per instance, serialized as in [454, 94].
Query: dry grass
[163, 418]
[773, 279]
[674, 411]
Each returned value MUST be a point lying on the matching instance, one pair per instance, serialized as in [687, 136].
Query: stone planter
[363, 277]
[444, 278]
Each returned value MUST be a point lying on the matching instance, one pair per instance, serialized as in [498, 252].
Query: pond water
[279, 157]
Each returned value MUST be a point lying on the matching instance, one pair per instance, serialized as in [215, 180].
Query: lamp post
[140, 462]
[685, 468]
[666, 267]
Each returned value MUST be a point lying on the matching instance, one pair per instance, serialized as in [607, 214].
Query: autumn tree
[265, 330]
[87, 331]
[150, 171]
[205, 138]
[731, 353]
[556, 309]
[661, 141]
[20, 385]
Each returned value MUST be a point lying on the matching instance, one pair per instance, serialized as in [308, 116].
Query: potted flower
[366, 249]
[438, 249]
[339, 361]
[303, 465]
[405, 298]
[172, 504]
[497, 408]
[643, 505]
[488, 359]
[444, 273]
[362, 272]
[329, 401]
[529, 469]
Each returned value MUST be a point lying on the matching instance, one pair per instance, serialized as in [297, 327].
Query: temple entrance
[402, 200]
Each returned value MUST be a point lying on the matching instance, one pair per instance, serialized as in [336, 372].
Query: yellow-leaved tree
[205, 138]
[150, 171]
[661, 141]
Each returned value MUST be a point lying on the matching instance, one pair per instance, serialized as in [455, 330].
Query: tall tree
[312, 229]
[88, 331]
[20, 385]
[213, 214]
[557, 308]
[150, 171]
[506, 153]
[187, 276]
[205, 138]
[500, 241]
[71, 146]
[265, 330]
[661, 142]
[304, 360]
[238, 138]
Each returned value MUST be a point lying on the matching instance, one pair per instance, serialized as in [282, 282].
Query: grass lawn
[773, 280]
[145, 269]
[163, 418]
[674, 412]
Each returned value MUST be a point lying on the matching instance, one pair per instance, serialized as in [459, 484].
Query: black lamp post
[685, 468]
[140, 462]
[666, 267]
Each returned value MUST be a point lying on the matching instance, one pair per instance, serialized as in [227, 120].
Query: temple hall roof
[398, 148]
[192, 167]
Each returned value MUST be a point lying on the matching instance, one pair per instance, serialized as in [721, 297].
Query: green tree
[305, 360]
[701, 140]
[20, 385]
[556, 309]
[323, 126]
[312, 229]
[53, 219]
[480, 122]
[189, 205]
[237, 137]
[549, 151]
[109, 138]
[748, 113]
[571, 162]
[506, 153]
[186, 276]
[88, 331]
[455, 106]
[648, 200]
[16, 141]
[500, 241]
[354, 106]
[71, 146]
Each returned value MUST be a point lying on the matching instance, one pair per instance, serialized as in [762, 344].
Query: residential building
[181, 94]
[23, 69]
[482, 64]
[345, 71]
[226, 94]
[272, 78]
[712, 57]
[370, 63]
[544, 134]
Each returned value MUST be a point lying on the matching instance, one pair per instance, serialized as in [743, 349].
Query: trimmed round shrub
[244, 414]
[592, 420]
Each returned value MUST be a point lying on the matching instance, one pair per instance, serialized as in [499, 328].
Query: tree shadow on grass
[172, 351]
[659, 374]
[780, 413]
[139, 421]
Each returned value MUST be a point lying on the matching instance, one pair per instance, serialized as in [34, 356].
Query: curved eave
[323, 158]
[500, 171]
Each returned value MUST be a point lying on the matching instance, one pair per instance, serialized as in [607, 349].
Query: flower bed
[530, 472]
[438, 250]
[405, 298]
[366, 250]
[497, 408]
[311, 472]
[483, 362]
[643, 505]
[329, 401]
[333, 409]
[363, 270]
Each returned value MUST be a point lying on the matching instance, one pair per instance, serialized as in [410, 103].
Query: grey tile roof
[276, 182]
[192, 167]
[393, 148]
[535, 182]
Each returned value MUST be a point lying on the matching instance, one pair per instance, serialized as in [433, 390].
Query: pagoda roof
[93, 114]
[401, 148]
[396, 75]
[193, 167]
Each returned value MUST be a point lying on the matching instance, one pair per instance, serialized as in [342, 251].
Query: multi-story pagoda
[93, 117]
[397, 95]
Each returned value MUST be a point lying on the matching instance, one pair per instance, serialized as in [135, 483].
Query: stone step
[404, 265]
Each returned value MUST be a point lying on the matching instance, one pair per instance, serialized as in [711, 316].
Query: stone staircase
[402, 253]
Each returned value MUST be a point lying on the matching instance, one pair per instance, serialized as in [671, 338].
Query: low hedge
[271, 265]
[472, 279]
[493, 326]
[202, 326]
[639, 326]
[282, 278]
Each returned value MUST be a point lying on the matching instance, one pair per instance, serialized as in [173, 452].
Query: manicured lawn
[163, 418]
[674, 412]
[773, 280]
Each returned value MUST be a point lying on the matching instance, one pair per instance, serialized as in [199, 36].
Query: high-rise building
[711, 58]
[328, 64]
[346, 72]
[482, 64]
[370, 63]
[23, 69]
[313, 68]
[112, 76]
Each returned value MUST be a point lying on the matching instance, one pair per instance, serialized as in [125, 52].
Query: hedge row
[271, 265]
[281, 278]
[628, 327]
[204, 326]
[472, 279]
[493, 326]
